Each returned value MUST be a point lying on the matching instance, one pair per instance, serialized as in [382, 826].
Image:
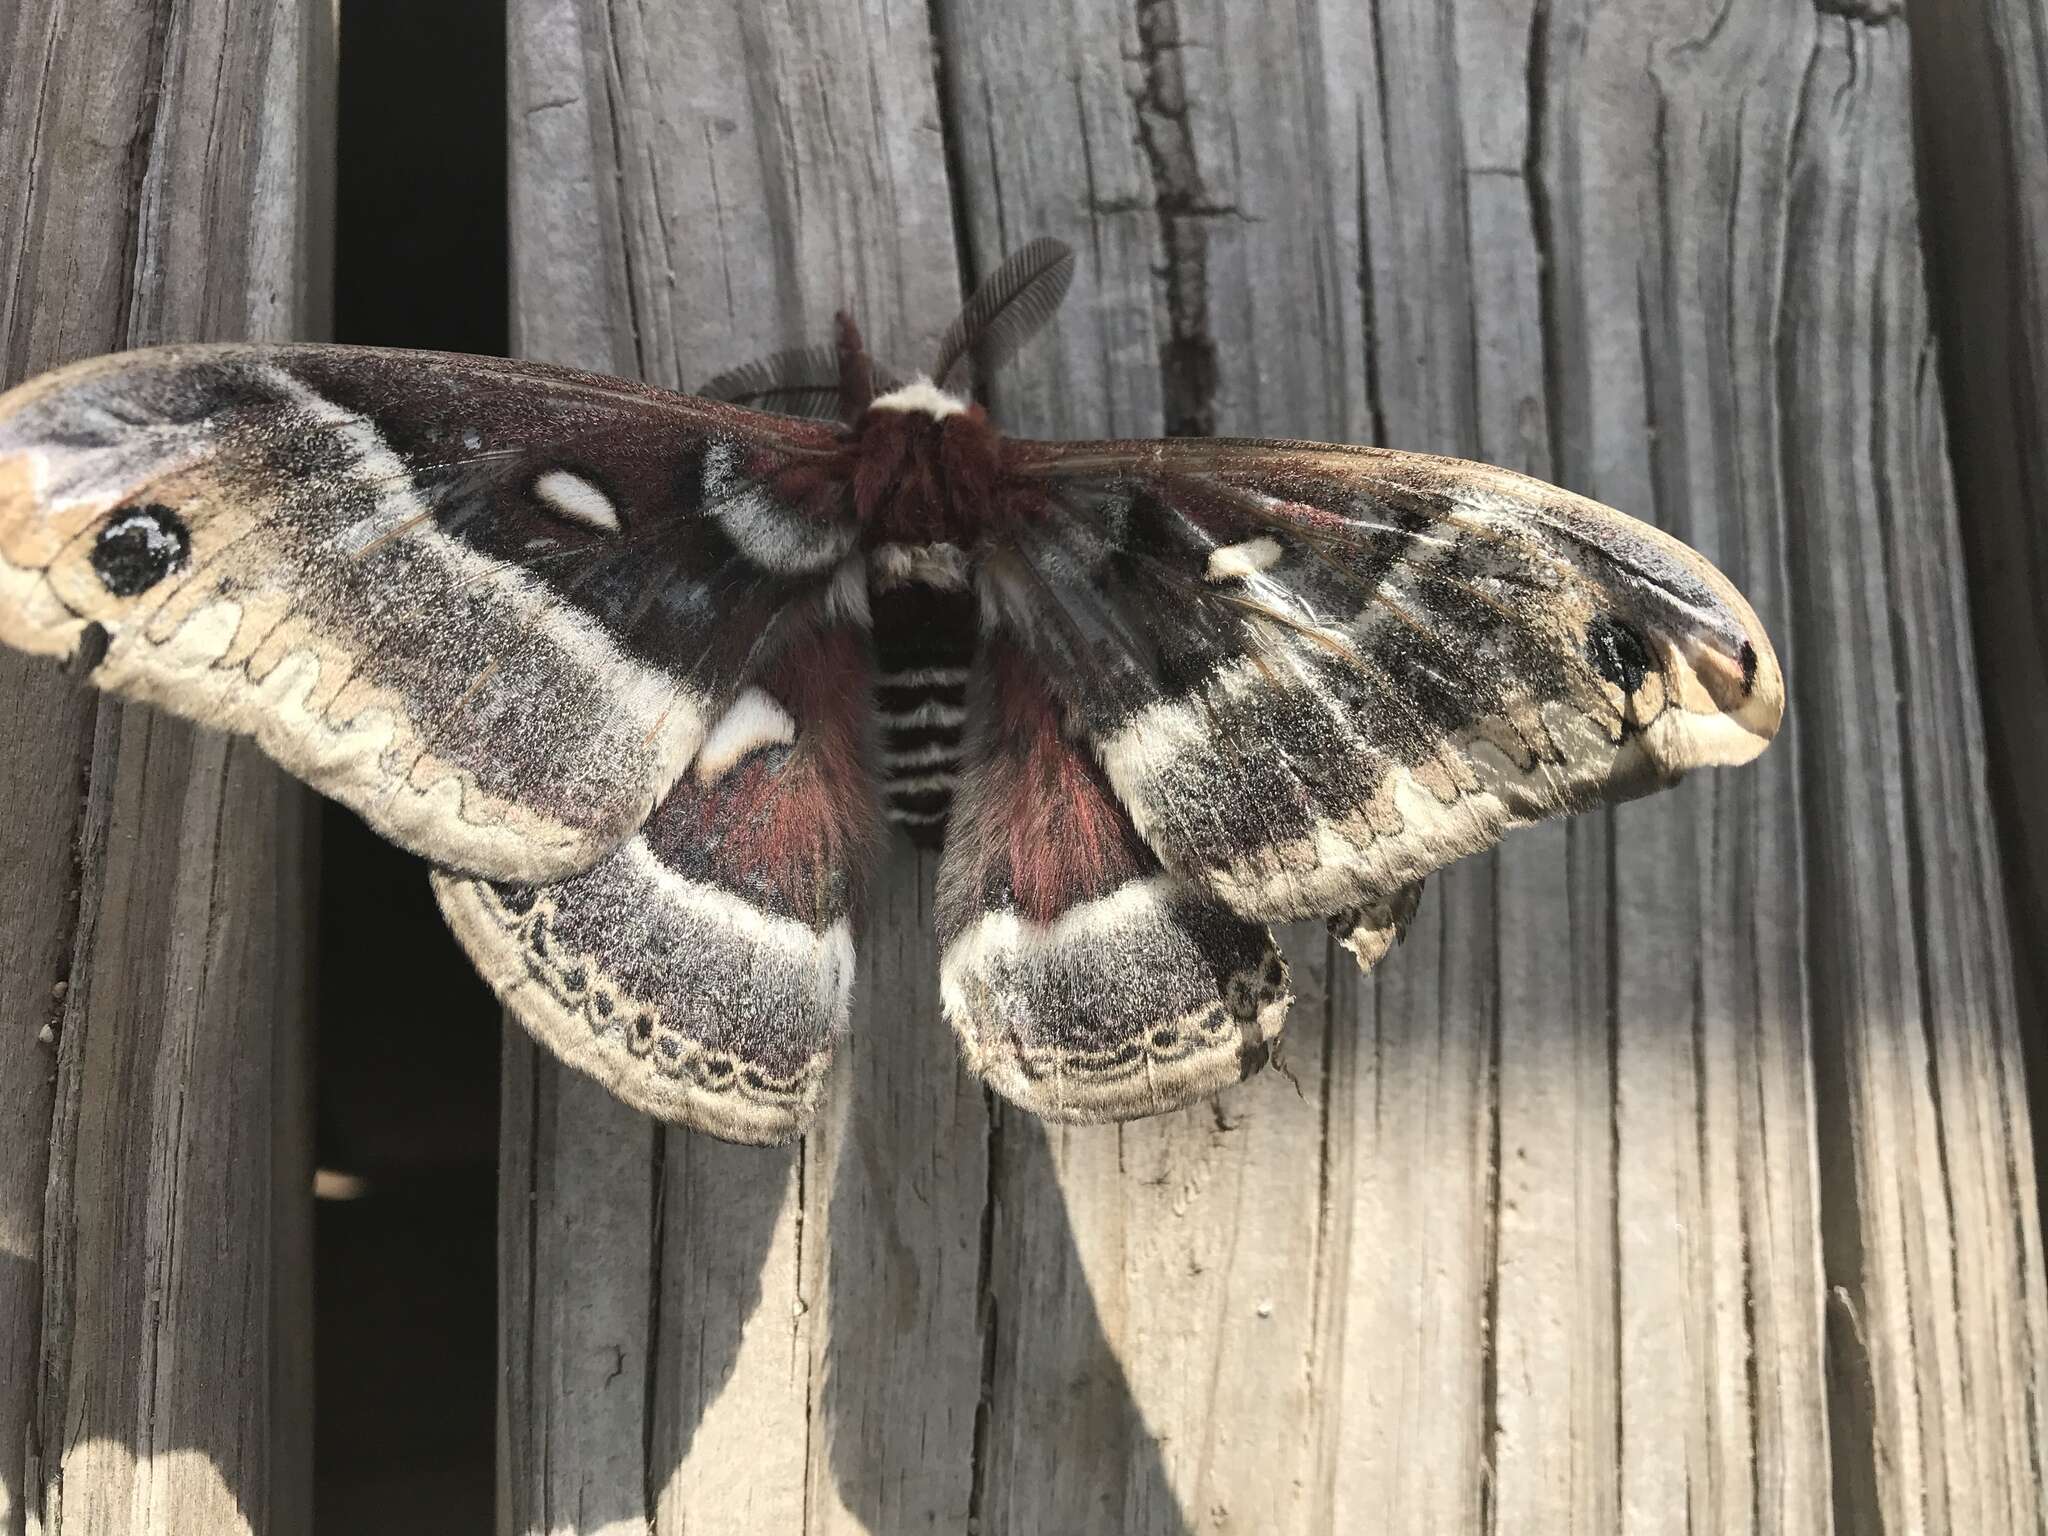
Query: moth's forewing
[1313, 675]
[491, 606]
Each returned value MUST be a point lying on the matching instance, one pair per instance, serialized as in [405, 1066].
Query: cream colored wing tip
[1730, 709]
[1763, 710]
[1749, 689]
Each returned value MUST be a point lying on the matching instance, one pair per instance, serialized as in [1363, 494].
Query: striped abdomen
[924, 615]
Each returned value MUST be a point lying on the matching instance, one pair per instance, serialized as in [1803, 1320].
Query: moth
[645, 676]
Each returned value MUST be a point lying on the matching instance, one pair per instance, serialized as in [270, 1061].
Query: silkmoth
[645, 675]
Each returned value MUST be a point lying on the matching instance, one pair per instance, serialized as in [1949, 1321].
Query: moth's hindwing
[702, 972]
[1313, 675]
[1084, 981]
[491, 606]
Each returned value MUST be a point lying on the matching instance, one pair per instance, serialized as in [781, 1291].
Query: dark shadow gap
[407, 1066]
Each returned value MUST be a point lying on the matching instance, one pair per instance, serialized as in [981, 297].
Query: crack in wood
[989, 1318]
[650, 1386]
[1187, 358]
[1874, 13]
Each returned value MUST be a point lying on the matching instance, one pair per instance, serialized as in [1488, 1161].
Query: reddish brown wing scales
[1045, 825]
[790, 824]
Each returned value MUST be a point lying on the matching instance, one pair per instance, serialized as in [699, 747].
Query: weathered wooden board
[1981, 92]
[166, 174]
[1677, 1174]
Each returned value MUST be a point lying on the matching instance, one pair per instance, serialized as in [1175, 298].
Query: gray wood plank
[1916, 1048]
[1981, 93]
[1717, 1257]
[1981, 86]
[762, 1341]
[155, 1242]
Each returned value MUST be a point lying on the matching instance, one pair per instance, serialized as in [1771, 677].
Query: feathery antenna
[835, 380]
[1007, 310]
[802, 381]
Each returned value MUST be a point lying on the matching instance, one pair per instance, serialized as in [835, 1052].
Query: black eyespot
[1617, 653]
[139, 548]
[643, 1027]
[1747, 656]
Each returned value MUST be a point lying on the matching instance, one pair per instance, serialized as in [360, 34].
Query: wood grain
[1981, 92]
[155, 1265]
[1676, 1174]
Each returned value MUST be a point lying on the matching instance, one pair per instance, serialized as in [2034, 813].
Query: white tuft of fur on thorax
[920, 394]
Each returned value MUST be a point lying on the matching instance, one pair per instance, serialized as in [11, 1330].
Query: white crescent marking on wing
[754, 721]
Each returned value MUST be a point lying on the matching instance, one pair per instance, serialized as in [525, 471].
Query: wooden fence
[1677, 1175]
